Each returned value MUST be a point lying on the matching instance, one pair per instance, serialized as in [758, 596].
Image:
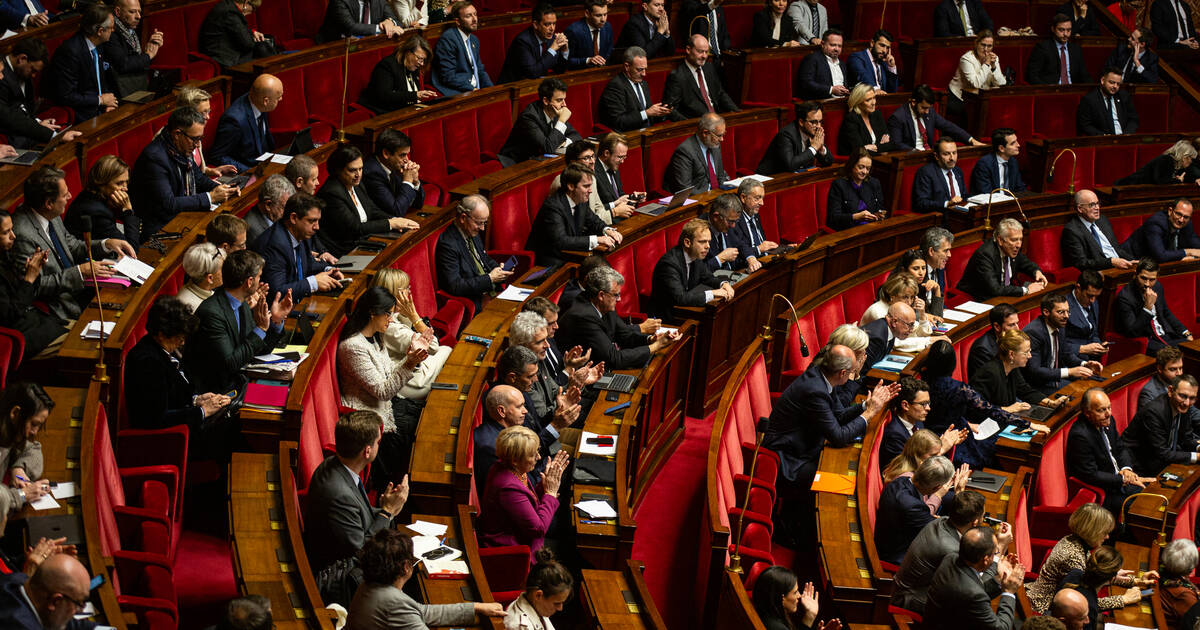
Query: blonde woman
[105, 200]
[978, 69]
[864, 125]
[202, 267]
[405, 326]
[1172, 167]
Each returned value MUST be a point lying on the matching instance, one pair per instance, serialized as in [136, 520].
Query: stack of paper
[597, 509]
[734, 183]
[513, 293]
[955, 316]
[597, 449]
[425, 528]
[972, 306]
[92, 331]
[134, 269]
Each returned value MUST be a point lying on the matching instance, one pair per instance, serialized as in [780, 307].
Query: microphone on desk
[766, 333]
[101, 373]
[1162, 532]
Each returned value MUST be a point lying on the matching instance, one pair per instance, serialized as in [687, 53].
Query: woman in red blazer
[515, 512]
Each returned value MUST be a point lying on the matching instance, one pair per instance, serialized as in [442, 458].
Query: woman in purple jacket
[514, 511]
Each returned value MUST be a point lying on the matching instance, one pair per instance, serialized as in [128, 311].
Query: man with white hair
[884, 332]
[995, 267]
[592, 323]
[272, 195]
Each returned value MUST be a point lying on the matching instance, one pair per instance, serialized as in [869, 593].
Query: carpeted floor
[667, 535]
[203, 579]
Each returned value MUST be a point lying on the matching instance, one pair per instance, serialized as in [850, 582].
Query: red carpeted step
[203, 579]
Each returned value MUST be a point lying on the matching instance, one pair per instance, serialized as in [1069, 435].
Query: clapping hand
[576, 358]
[554, 470]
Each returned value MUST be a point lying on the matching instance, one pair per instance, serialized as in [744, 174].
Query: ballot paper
[982, 200]
[277, 158]
[64, 490]
[134, 269]
[425, 528]
[446, 568]
[666, 330]
[44, 502]
[597, 449]
[955, 316]
[734, 183]
[971, 306]
[92, 331]
[987, 429]
[597, 509]
[513, 293]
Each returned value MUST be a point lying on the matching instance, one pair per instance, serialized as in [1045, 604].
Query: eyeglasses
[616, 296]
[79, 605]
[193, 139]
[1090, 205]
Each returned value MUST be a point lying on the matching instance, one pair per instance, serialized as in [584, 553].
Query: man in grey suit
[272, 196]
[338, 517]
[810, 19]
[937, 540]
[696, 161]
[38, 226]
[960, 595]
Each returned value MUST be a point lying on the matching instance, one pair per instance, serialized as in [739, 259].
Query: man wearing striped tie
[727, 251]
[1142, 311]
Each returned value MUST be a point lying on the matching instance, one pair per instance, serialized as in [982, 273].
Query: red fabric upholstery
[506, 569]
[8, 362]
[874, 481]
[1123, 346]
[794, 361]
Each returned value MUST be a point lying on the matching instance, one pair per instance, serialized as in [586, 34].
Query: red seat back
[1050, 487]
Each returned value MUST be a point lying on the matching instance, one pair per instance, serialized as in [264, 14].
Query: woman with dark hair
[370, 380]
[957, 405]
[106, 200]
[547, 587]
[349, 213]
[44, 333]
[928, 289]
[772, 28]
[380, 603]
[396, 80]
[1101, 567]
[777, 596]
[854, 198]
[24, 409]
[157, 394]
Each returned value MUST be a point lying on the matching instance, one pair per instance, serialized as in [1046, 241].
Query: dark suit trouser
[795, 508]
[1153, 345]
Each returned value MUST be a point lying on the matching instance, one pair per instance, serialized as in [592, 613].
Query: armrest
[468, 306]
[505, 567]
[135, 482]
[1080, 486]
[145, 575]
[448, 321]
[150, 611]
[143, 530]
[195, 57]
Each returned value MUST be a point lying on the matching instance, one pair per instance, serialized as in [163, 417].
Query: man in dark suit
[959, 596]
[800, 145]
[729, 249]
[681, 278]
[1168, 364]
[391, 177]
[543, 127]
[566, 223]
[1083, 323]
[1046, 59]
[805, 419]
[610, 155]
[912, 127]
[237, 322]
[686, 94]
[1141, 311]
[591, 322]
[504, 406]
[749, 228]
[457, 67]
[999, 169]
[130, 60]
[935, 249]
[49, 599]
[707, 18]
[464, 267]
[244, 130]
[226, 36]
[537, 50]
[272, 197]
[165, 180]
[875, 66]
[650, 31]
[1167, 235]
[358, 18]
[1160, 433]
[939, 184]
[883, 333]
[1001, 318]
[903, 511]
[822, 74]
[995, 266]
[350, 214]
[287, 251]
[81, 76]
[909, 409]
[625, 103]
[590, 40]
[555, 394]
[18, 15]
[696, 161]
[339, 517]
[1097, 456]
[1088, 241]
[960, 18]
[1108, 109]
[1055, 361]
[1138, 64]
[1171, 21]
[17, 98]
[38, 227]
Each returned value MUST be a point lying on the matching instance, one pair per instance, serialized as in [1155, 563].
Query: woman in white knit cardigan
[978, 69]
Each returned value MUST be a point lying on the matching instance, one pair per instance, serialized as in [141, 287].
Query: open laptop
[655, 209]
[1036, 413]
[302, 143]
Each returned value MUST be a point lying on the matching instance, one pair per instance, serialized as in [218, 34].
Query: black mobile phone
[602, 440]
[991, 520]
[437, 553]
[509, 264]
[612, 395]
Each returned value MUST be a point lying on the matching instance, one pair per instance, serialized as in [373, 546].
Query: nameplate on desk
[76, 413]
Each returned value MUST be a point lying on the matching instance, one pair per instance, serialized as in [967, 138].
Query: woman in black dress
[854, 198]
[773, 28]
[864, 125]
[396, 80]
[106, 200]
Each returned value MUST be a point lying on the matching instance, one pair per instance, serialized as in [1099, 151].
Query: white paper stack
[597, 509]
[597, 449]
[971, 306]
[955, 316]
[134, 269]
[92, 331]
[513, 293]
[425, 528]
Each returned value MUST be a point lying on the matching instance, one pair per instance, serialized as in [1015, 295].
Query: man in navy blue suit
[804, 419]
[286, 247]
[244, 131]
[939, 184]
[822, 74]
[457, 67]
[650, 31]
[358, 18]
[1054, 362]
[537, 50]
[875, 66]
[1167, 235]
[1141, 310]
[464, 267]
[15, 15]
[49, 600]
[590, 40]
[912, 126]
[999, 169]
[749, 228]
[1088, 240]
[80, 76]
[1083, 324]
[727, 249]
[391, 178]
[909, 409]
[166, 180]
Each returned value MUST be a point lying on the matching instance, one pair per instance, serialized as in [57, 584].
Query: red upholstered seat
[769, 81]
[796, 211]
[1180, 292]
[856, 300]
[1042, 247]
[874, 480]
[1048, 119]
[658, 155]
[755, 545]
[1123, 346]
[506, 569]
[959, 256]
[12, 348]
[794, 360]
[181, 28]
[1057, 497]
[1011, 110]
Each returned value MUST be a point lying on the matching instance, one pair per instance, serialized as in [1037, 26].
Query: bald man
[130, 59]
[683, 91]
[883, 333]
[503, 407]
[244, 133]
[1071, 608]
[49, 600]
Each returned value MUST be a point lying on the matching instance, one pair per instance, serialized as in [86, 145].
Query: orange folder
[833, 482]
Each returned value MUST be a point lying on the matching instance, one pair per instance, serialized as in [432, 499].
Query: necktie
[1179, 12]
[756, 237]
[263, 134]
[612, 177]
[1003, 175]
[366, 12]
[1096, 235]
[362, 491]
[923, 139]
[1174, 239]
[1006, 277]
[96, 63]
[1063, 77]
[637, 91]
[595, 42]
[1108, 450]
[950, 183]
[703, 90]
[1173, 438]
[300, 262]
[721, 235]
[1105, 247]
[175, 364]
[712, 172]
[816, 23]
[474, 254]
[712, 32]
[237, 319]
[962, 14]
[64, 260]
[1054, 346]
[471, 57]
[878, 67]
